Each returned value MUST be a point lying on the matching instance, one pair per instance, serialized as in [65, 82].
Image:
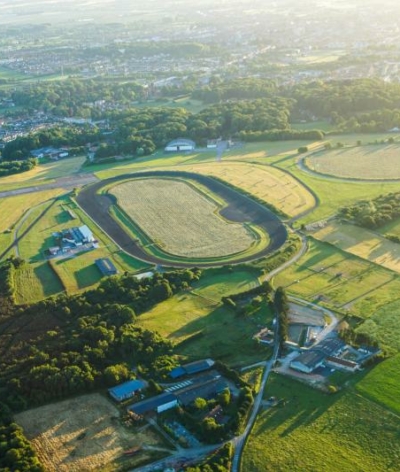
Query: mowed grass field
[42, 174]
[180, 220]
[321, 433]
[340, 280]
[86, 434]
[361, 242]
[369, 162]
[217, 332]
[382, 384]
[267, 183]
[12, 210]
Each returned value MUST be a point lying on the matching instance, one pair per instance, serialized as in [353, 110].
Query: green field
[73, 273]
[382, 384]
[217, 331]
[337, 279]
[318, 432]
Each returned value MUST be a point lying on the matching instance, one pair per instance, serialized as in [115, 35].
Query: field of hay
[267, 183]
[362, 243]
[84, 434]
[179, 219]
[369, 162]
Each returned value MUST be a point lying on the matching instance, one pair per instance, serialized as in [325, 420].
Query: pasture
[382, 384]
[362, 243]
[328, 276]
[201, 326]
[320, 432]
[86, 433]
[267, 183]
[367, 162]
[180, 220]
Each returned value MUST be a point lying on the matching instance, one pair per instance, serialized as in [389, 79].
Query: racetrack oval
[239, 208]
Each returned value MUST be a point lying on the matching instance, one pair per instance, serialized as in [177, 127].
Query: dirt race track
[239, 209]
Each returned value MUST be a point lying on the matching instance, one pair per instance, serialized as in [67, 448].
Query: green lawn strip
[382, 384]
[201, 326]
[318, 432]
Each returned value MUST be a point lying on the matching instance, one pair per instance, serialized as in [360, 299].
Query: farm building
[158, 404]
[308, 361]
[126, 390]
[206, 390]
[191, 368]
[105, 266]
[77, 236]
[341, 364]
[180, 144]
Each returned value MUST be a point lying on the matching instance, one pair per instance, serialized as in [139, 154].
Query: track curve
[239, 209]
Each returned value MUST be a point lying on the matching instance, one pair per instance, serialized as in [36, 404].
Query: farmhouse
[180, 144]
[191, 368]
[105, 266]
[157, 404]
[126, 390]
[308, 361]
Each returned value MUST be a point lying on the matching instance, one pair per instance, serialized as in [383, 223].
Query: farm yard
[85, 434]
[180, 220]
[368, 162]
[362, 243]
[315, 431]
[267, 183]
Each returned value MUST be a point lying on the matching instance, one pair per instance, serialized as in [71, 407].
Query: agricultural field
[319, 432]
[267, 183]
[180, 220]
[87, 434]
[195, 320]
[328, 276]
[368, 162]
[362, 243]
[382, 384]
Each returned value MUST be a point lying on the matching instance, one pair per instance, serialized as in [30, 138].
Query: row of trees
[281, 304]
[16, 167]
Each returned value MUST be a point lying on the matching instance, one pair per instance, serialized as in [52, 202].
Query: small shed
[105, 266]
[126, 390]
[180, 144]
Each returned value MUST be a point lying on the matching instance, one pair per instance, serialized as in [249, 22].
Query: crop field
[382, 384]
[180, 220]
[369, 162]
[84, 434]
[267, 183]
[320, 432]
[200, 325]
[339, 280]
[362, 243]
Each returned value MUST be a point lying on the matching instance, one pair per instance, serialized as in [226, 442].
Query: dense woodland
[373, 213]
[16, 167]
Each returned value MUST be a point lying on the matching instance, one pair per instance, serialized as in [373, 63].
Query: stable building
[308, 361]
[156, 404]
[126, 390]
[179, 145]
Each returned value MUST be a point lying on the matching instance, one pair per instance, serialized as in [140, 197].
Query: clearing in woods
[269, 184]
[86, 433]
[369, 162]
[180, 220]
